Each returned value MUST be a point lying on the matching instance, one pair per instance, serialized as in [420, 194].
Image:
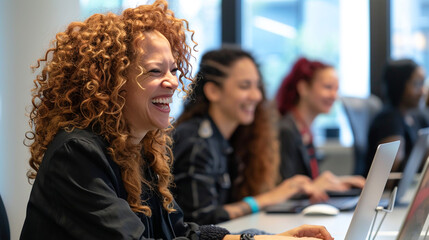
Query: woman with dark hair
[100, 151]
[403, 85]
[225, 147]
[308, 90]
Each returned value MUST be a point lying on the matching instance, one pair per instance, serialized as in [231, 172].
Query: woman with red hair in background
[308, 90]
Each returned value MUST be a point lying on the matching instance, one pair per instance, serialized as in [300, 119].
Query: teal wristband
[252, 203]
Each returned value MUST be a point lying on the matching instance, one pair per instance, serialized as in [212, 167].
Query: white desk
[336, 225]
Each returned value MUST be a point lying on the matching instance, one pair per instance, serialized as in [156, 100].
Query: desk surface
[336, 225]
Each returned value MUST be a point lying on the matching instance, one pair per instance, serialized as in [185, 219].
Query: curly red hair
[80, 86]
[303, 70]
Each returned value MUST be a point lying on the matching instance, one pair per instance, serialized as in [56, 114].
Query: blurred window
[333, 31]
[410, 31]
[89, 7]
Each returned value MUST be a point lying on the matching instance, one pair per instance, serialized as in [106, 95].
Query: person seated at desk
[403, 84]
[225, 147]
[100, 151]
[308, 90]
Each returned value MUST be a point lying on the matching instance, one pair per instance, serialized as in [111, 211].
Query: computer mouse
[321, 209]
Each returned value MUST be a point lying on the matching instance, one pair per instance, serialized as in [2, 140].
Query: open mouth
[162, 103]
[249, 108]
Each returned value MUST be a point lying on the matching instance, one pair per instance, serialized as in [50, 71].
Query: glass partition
[333, 31]
[410, 31]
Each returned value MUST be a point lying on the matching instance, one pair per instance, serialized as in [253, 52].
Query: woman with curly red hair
[100, 151]
[99, 148]
[225, 146]
[308, 90]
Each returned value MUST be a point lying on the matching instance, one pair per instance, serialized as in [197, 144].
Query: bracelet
[247, 236]
[252, 203]
[211, 232]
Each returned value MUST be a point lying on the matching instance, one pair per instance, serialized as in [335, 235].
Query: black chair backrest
[360, 112]
[4, 222]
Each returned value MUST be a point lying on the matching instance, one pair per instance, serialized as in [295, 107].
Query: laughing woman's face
[149, 93]
[240, 92]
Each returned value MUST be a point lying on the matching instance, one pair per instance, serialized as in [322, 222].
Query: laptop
[385, 152]
[372, 192]
[347, 200]
[418, 210]
[415, 160]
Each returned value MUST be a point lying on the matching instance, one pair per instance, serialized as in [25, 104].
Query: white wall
[26, 28]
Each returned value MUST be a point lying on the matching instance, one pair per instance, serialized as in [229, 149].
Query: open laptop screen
[418, 210]
[371, 193]
[415, 159]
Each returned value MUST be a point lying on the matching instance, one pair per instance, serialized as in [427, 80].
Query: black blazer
[79, 194]
[202, 171]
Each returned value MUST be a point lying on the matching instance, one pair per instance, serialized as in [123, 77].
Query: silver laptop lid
[371, 193]
[418, 210]
[414, 161]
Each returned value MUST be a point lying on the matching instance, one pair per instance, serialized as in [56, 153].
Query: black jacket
[201, 170]
[294, 156]
[79, 194]
[390, 122]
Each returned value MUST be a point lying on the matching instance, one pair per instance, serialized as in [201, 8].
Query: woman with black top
[225, 145]
[309, 89]
[403, 84]
[100, 153]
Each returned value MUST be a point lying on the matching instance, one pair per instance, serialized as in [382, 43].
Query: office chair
[360, 112]
[4, 222]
